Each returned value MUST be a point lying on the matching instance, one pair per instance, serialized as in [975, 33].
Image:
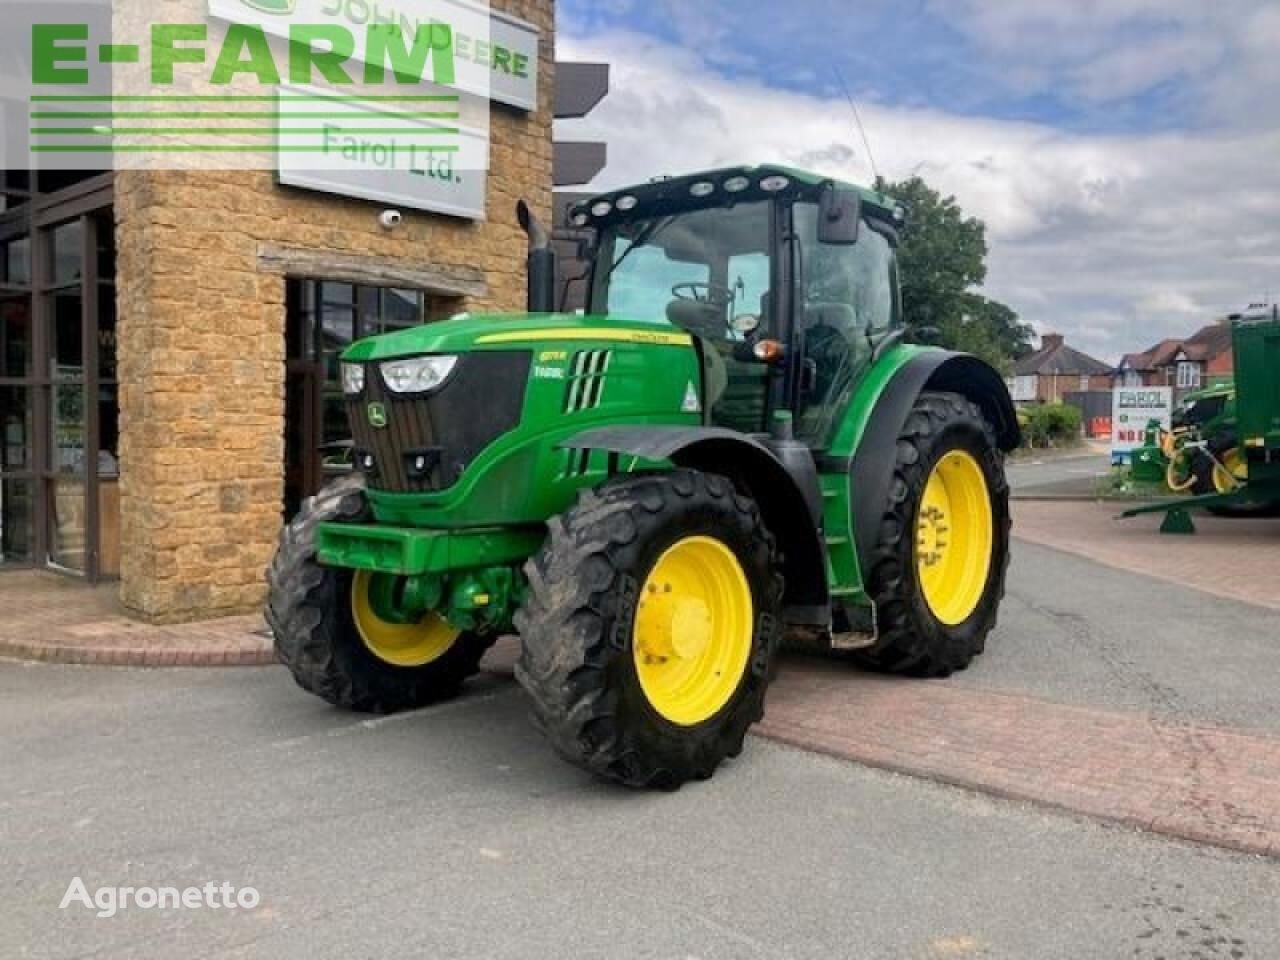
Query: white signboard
[1132, 408]
[399, 162]
[494, 55]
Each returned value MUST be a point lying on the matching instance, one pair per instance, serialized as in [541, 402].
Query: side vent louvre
[586, 380]
[577, 463]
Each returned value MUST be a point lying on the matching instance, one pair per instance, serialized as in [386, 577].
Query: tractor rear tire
[590, 660]
[309, 610]
[1211, 478]
[944, 432]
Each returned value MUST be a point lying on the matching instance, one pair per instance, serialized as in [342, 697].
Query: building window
[1084, 383]
[339, 314]
[1024, 389]
[1131, 378]
[324, 318]
[1188, 375]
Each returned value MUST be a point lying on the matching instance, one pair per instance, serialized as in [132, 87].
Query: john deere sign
[481, 52]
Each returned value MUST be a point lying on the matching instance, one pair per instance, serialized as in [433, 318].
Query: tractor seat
[839, 316]
[706, 322]
[701, 319]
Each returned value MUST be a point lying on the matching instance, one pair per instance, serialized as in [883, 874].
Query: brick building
[1047, 375]
[168, 345]
[1185, 365]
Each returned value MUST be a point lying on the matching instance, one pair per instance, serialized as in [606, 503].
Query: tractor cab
[787, 281]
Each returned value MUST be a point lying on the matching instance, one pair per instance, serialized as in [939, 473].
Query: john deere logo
[377, 415]
[279, 8]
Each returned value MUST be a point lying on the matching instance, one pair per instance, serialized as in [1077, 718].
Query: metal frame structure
[37, 217]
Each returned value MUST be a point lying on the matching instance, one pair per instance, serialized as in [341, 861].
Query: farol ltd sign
[399, 166]
[402, 146]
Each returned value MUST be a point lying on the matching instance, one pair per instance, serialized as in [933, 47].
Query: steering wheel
[709, 294]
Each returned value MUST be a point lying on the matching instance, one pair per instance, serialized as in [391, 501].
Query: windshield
[706, 271]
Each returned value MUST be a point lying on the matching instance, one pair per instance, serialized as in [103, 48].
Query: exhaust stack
[541, 262]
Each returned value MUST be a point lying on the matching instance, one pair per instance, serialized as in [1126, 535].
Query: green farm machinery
[1224, 448]
[731, 444]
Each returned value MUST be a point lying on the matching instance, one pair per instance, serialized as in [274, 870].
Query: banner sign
[1132, 408]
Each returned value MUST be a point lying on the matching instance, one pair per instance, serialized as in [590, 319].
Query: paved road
[453, 833]
[1075, 475]
[1075, 632]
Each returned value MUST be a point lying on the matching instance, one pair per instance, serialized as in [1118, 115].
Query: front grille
[423, 444]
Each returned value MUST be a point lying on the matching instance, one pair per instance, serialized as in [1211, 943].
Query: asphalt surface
[1075, 632]
[1056, 475]
[453, 832]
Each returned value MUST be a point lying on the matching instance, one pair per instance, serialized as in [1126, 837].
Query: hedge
[1051, 425]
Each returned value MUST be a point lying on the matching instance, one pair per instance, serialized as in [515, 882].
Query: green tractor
[731, 445]
[1224, 442]
[1202, 452]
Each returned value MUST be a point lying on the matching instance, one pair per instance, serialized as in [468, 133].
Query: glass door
[67, 477]
[58, 402]
[17, 352]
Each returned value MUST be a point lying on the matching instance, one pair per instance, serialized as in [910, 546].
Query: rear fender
[755, 470]
[871, 466]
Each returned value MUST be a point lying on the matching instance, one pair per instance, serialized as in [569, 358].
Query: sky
[1124, 154]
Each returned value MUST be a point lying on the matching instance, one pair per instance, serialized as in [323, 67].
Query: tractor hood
[470, 333]
[512, 389]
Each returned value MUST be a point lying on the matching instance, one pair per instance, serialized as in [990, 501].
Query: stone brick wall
[201, 285]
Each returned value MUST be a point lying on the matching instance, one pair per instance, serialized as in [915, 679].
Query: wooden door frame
[81, 202]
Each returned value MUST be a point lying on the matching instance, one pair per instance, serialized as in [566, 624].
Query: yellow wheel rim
[954, 538]
[1231, 471]
[693, 630]
[399, 644]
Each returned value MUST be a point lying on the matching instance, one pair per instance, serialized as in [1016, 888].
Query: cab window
[847, 302]
[642, 290]
[705, 271]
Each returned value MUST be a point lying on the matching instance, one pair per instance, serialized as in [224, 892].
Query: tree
[942, 258]
[970, 335]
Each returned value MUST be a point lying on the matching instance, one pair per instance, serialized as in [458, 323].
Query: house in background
[1185, 365]
[1055, 370]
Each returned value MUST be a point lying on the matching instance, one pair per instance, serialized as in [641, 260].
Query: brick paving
[56, 619]
[1234, 558]
[1212, 785]
[1206, 784]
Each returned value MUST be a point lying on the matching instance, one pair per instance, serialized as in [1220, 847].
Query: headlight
[352, 378]
[417, 375]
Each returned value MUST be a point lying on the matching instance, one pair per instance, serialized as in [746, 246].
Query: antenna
[858, 119]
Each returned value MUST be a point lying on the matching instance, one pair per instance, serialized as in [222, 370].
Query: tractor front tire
[310, 610]
[937, 572]
[1213, 475]
[649, 631]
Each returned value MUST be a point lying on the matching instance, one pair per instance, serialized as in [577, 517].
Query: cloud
[1115, 240]
[1087, 65]
[1212, 64]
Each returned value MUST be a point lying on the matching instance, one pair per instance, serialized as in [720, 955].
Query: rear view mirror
[839, 214]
